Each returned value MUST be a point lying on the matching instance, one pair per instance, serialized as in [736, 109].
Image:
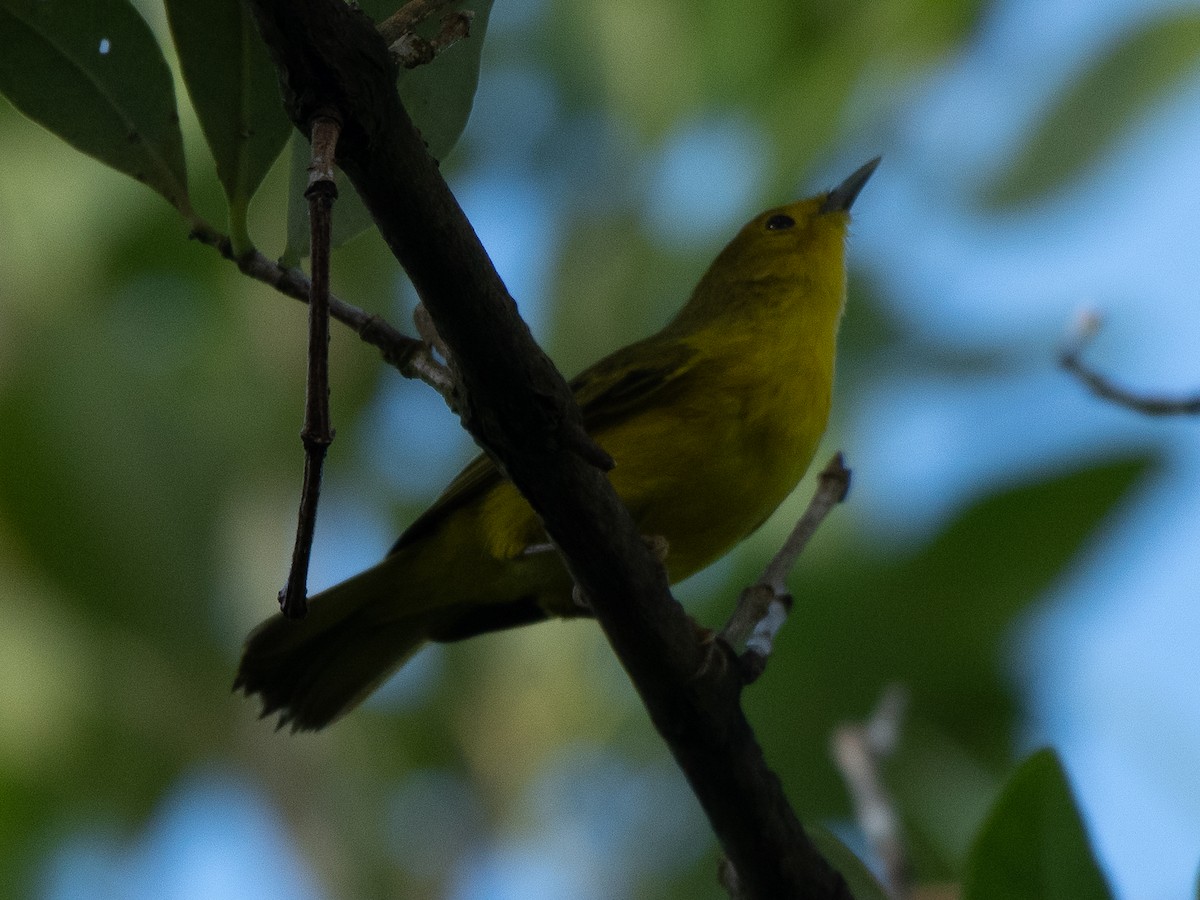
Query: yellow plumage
[712, 422]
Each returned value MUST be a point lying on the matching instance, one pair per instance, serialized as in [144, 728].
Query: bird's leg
[429, 333]
[659, 548]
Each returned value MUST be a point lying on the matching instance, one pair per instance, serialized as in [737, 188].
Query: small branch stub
[763, 607]
[317, 433]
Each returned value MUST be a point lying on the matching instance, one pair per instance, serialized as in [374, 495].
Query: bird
[711, 422]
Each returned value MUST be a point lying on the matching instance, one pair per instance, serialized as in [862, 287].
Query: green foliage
[235, 91]
[1101, 105]
[1033, 845]
[788, 65]
[93, 74]
[438, 98]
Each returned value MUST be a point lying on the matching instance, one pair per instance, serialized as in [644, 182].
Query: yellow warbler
[712, 422]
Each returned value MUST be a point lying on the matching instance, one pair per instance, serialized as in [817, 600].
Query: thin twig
[763, 607]
[859, 748]
[1082, 334]
[833, 484]
[317, 433]
[410, 357]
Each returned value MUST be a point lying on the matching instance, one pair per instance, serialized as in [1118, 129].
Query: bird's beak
[841, 198]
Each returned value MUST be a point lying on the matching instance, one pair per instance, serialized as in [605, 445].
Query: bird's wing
[607, 392]
[629, 380]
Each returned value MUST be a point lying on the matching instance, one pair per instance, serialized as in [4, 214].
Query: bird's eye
[779, 222]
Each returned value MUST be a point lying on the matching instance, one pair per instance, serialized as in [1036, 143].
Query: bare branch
[763, 607]
[859, 748]
[1083, 332]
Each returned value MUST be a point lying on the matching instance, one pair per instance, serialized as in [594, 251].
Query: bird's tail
[314, 670]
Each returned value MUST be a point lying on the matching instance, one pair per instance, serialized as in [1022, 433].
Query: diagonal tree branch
[517, 405]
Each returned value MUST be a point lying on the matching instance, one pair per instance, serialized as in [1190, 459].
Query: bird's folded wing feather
[609, 391]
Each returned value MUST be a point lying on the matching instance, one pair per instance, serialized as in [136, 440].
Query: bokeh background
[1018, 553]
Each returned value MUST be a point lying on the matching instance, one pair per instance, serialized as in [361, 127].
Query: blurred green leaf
[937, 619]
[93, 74]
[116, 465]
[1104, 102]
[350, 216]
[793, 67]
[438, 97]
[863, 884]
[1033, 845]
[234, 89]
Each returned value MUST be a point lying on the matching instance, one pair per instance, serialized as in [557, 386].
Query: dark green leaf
[93, 74]
[235, 92]
[1033, 845]
[438, 97]
[1103, 103]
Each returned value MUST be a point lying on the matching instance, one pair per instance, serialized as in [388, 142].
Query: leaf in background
[350, 216]
[1103, 103]
[438, 97]
[93, 74]
[938, 619]
[234, 89]
[1033, 845]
